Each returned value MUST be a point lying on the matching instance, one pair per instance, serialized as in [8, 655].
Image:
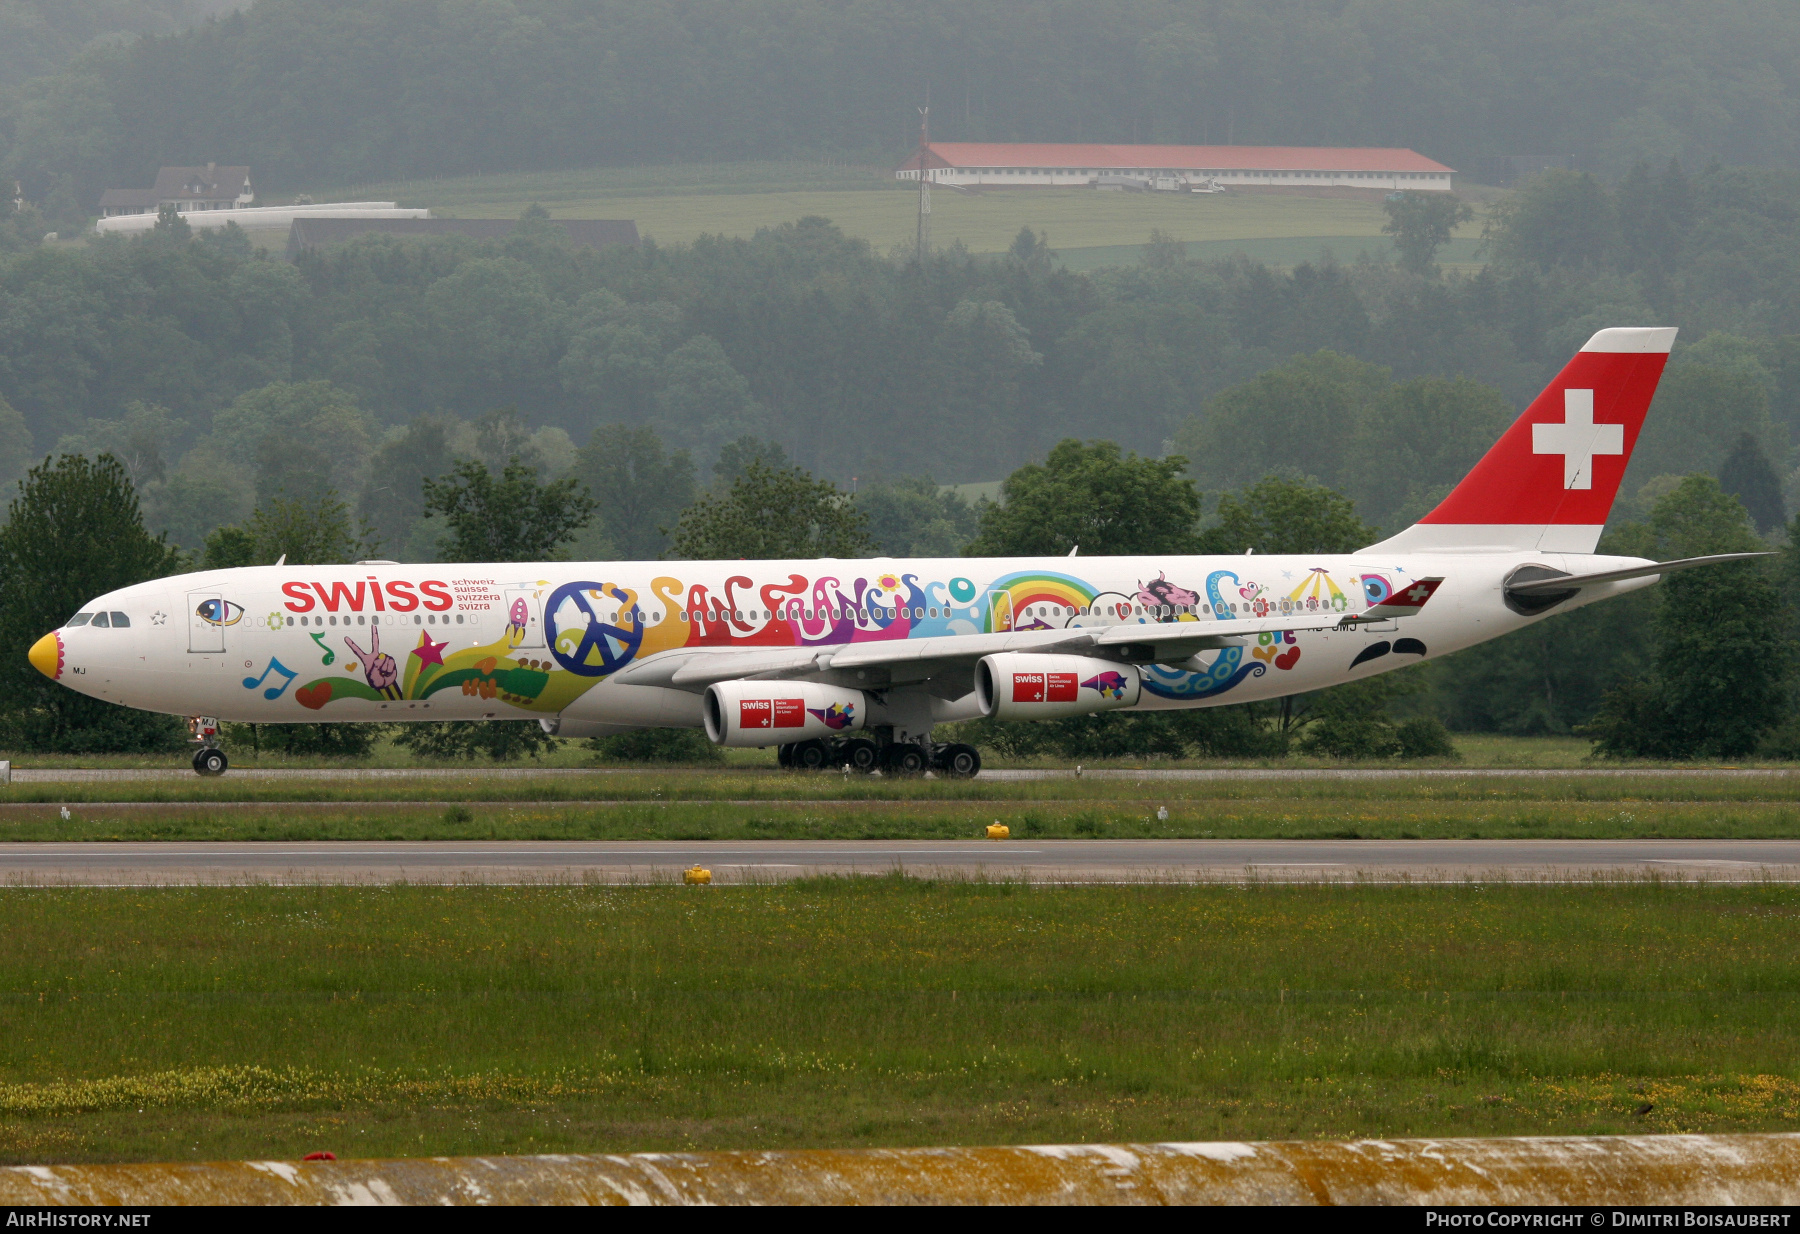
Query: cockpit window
[120, 621]
[81, 619]
[100, 621]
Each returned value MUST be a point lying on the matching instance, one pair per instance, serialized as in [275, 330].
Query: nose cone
[46, 655]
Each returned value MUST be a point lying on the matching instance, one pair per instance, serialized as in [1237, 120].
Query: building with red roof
[987, 164]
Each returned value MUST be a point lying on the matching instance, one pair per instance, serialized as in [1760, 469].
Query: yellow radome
[46, 655]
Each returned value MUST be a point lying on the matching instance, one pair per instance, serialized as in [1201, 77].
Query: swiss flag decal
[1561, 461]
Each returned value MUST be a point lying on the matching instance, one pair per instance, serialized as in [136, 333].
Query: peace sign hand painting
[379, 669]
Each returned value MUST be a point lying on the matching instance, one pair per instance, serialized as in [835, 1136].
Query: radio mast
[923, 244]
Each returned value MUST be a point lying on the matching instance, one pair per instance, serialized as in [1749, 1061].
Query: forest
[352, 91]
[214, 371]
[227, 383]
[235, 388]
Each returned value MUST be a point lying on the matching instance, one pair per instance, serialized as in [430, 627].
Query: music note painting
[273, 692]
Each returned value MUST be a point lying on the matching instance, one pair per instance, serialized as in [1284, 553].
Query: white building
[211, 187]
[983, 164]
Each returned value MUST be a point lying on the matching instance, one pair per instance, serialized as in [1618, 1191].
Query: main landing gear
[904, 758]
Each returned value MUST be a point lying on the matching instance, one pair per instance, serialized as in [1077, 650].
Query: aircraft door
[206, 621]
[1000, 612]
[524, 618]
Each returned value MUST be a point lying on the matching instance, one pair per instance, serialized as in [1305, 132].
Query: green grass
[267, 1022]
[763, 803]
[677, 203]
[1130, 814]
[1477, 750]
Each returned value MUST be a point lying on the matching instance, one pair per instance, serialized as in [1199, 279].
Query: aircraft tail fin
[1550, 480]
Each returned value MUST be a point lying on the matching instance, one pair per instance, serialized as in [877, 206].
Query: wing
[901, 661]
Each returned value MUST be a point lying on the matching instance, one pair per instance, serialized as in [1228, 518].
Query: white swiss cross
[1578, 439]
[1418, 594]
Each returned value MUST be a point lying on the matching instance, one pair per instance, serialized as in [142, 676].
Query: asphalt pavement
[1056, 861]
[91, 775]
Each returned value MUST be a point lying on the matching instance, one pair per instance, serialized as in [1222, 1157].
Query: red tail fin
[1549, 481]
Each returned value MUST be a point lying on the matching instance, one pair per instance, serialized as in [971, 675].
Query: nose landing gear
[209, 759]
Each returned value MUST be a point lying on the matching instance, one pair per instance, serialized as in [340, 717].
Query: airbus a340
[854, 662]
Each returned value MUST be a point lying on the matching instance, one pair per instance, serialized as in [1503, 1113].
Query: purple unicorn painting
[1160, 592]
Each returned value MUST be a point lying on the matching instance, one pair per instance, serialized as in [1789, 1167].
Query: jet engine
[1018, 686]
[770, 713]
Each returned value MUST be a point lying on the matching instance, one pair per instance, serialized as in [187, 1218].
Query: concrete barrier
[1578, 1170]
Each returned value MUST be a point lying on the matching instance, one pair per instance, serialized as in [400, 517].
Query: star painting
[428, 651]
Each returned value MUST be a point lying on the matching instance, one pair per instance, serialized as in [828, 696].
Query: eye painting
[220, 612]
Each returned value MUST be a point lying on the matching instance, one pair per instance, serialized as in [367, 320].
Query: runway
[49, 775]
[1049, 861]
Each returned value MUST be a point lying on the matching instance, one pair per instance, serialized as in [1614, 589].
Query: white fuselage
[561, 641]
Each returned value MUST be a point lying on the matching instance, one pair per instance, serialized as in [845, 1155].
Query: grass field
[767, 805]
[270, 1022]
[678, 203]
[1474, 750]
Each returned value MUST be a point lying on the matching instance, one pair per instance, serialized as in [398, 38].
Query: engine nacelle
[1018, 686]
[772, 713]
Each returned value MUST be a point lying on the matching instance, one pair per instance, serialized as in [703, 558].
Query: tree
[504, 741]
[1415, 441]
[1748, 475]
[1557, 218]
[616, 353]
[299, 438]
[1421, 224]
[314, 532]
[230, 548]
[73, 533]
[394, 500]
[1163, 251]
[735, 458]
[1279, 515]
[1031, 249]
[512, 519]
[911, 516]
[657, 745]
[1720, 672]
[309, 533]
[641, 488]
[768, 514]
[15, 444]
[983, 356]
[1304, 416]
[1091, 496]
[705, 402]
[1699, 412]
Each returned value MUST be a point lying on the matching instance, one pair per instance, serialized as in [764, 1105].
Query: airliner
[852, 664]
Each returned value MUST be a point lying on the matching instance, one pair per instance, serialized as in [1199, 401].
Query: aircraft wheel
[809, 756]
[861, 754]
[905, 759]
[784, 754]
[962, 762]
[211, 762]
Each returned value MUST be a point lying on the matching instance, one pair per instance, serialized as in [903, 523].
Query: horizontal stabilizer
[1568, 582]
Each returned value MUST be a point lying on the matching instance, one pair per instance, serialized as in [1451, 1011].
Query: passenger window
[81, 619]
[120, 621]
[100, 621]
